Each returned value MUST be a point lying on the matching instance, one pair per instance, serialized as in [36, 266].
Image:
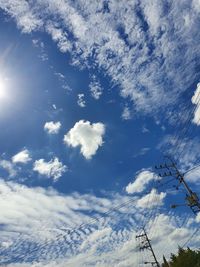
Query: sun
[3, 92]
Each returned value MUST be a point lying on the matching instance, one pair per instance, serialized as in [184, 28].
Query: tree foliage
[184, 258]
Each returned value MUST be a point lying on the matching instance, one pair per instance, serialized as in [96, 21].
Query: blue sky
[92, 95]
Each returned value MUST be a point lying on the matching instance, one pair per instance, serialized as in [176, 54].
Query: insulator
[173, 206]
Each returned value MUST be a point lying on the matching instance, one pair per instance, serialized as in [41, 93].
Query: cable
[193, 234]
[81, 226]
[186, 128]
[193, 168]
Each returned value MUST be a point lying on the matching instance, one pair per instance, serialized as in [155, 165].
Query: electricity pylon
[145, 243]
[171, 169]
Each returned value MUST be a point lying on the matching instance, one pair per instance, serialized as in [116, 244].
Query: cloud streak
[142, 179]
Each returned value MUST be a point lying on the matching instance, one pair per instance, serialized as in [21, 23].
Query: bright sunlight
[3, 92]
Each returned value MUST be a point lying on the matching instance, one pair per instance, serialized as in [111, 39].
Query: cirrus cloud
[139, 51]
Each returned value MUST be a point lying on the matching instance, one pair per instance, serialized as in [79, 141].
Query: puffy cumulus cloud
[52, 127]
[9, 167]
[22, 157]
[196, 101]
[139, 51]
[53, 168]
[151, 200]
[89, 136]
[142, 179]
[81, 102]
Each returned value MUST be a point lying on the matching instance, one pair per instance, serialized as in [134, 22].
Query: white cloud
[89, 136]
[187, 148]
[40, 45]
[26, 19]
[198, 218]
[81, 102]
[21, 157]
[151, 200]
[53, 168]
[9, 167]
[95, 88]
[142, 179]
[134, 51]
[193, 176]
[52, 127]
[196, 101]
[59, 241]
[60, 37]
[144, 129]
[126, 114]
[143, 151]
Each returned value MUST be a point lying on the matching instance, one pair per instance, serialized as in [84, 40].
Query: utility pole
[171, 169]
[145, 243]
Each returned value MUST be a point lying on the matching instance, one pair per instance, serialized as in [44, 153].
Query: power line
[185, 128]
[171, 169]
[190, 238]
[191, 169]
[67, 231]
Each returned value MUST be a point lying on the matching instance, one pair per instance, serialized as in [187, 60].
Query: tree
[165, 264]
[185, 258]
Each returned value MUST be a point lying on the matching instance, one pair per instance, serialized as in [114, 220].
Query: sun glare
[2, 89]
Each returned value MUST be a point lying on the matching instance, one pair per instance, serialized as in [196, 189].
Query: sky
[93, 95]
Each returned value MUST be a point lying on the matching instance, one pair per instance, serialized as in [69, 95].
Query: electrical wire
[191, 169]
[94, 220]
[179, 136]
[190, 238]
[69, 231]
